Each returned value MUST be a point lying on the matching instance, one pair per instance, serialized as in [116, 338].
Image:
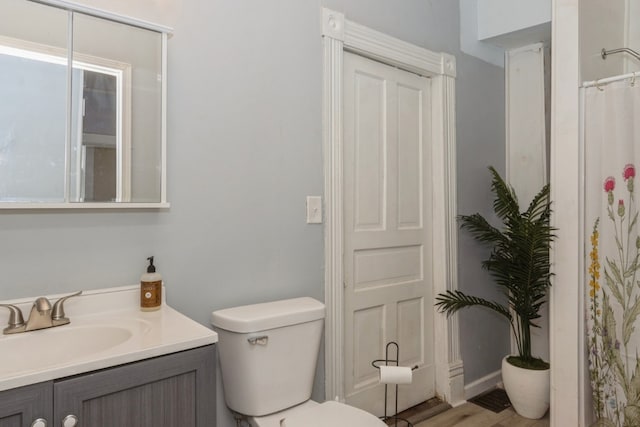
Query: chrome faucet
[42, 315]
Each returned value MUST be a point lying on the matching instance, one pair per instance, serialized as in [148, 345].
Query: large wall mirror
[82, 117]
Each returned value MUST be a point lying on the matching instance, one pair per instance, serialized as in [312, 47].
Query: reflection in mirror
[38, 80]
[128, 61]
[33, 111]
[100, 140]
[80, 127]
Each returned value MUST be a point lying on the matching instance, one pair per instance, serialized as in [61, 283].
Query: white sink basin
[107, 329]
[56, 346]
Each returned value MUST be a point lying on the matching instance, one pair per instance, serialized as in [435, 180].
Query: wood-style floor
[470, 415]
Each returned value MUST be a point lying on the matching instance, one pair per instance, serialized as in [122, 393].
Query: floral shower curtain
[612, 156]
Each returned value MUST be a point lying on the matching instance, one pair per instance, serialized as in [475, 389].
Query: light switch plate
[314, 210]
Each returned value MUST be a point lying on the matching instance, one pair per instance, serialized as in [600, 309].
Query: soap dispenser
[150, 288]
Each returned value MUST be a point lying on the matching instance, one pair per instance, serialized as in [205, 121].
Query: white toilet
[268, 354]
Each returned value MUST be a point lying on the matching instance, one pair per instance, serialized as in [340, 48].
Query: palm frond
[481, 229]
[539, 204]
[452, 301]
[505, 204]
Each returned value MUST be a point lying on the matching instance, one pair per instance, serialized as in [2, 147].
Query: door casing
[339, 35]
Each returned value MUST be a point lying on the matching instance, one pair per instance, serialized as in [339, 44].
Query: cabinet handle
[40, 422]
[70, 421]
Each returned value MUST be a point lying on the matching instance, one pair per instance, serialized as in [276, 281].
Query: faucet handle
[15, 318]
[58, 308]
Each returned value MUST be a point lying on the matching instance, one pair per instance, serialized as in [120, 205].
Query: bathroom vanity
[167, 391]
[113, 365]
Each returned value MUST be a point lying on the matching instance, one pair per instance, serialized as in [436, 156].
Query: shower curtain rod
[607, 80]
[602, 82]
[631, 52]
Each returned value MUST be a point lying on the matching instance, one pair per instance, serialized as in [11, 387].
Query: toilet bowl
[314, 414]
[268, 354]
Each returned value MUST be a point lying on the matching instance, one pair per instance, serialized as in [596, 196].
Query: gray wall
[480, 114]
[244, 151]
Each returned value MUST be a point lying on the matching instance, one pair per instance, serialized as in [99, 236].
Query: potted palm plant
[519, 263]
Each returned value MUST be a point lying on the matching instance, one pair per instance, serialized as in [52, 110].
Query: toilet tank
[268, 353]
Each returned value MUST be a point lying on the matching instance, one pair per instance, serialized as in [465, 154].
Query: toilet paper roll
[395, 375]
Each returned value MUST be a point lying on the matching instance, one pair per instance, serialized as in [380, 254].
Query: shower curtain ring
[598, 86]
[633, 79]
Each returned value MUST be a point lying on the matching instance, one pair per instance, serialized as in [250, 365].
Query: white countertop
[107, 329]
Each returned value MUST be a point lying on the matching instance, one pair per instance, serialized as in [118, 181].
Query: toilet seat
[331, 414]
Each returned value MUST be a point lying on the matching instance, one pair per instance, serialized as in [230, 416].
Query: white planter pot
[527, 389]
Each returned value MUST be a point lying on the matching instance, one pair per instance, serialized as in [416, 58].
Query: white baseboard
[482, 384]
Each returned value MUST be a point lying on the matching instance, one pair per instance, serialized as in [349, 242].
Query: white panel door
[388, 291]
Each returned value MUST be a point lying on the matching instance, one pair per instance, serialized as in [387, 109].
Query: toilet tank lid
[269, 315]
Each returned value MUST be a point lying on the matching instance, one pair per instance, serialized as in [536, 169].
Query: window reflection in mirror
[89, 133]
[97, 137]
[133, 57]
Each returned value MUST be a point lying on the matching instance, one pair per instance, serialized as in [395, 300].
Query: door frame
[339, 35]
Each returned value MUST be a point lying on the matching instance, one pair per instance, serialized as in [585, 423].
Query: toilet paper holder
[389, 362]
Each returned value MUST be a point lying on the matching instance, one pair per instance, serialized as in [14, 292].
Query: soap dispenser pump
[150, 288]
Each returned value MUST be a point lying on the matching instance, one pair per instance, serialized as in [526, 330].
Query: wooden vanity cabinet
[176, 390]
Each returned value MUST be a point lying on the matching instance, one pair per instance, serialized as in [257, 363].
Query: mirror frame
[164, 32]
